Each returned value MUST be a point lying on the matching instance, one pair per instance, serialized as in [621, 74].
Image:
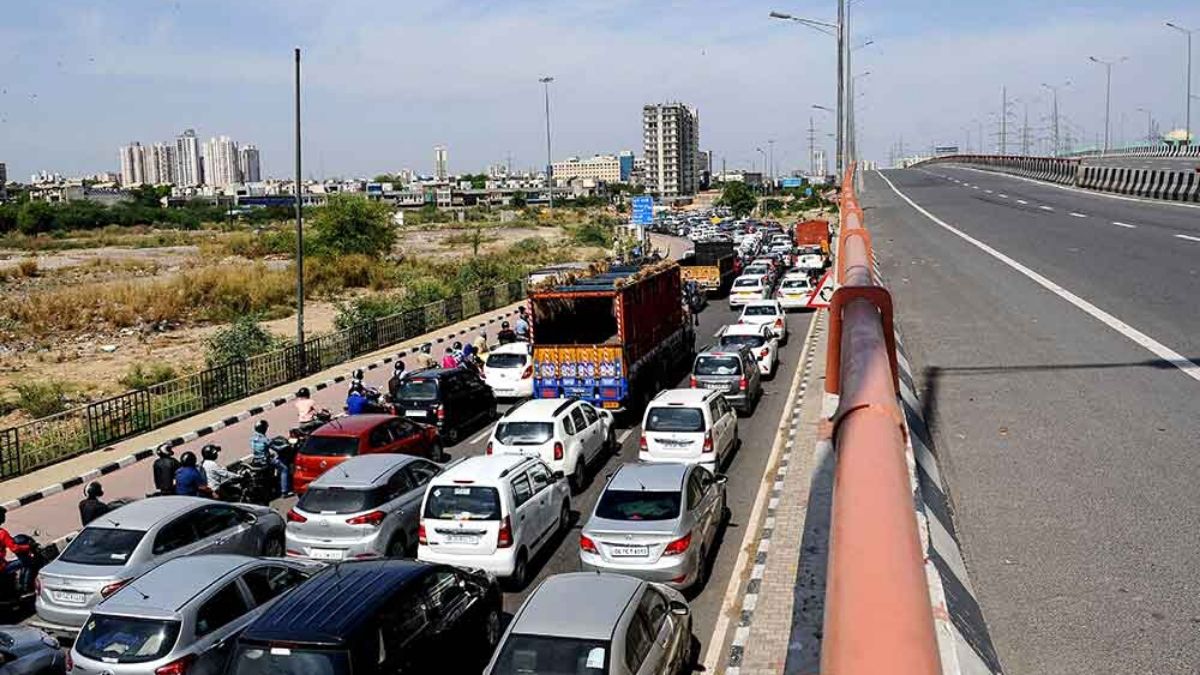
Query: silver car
[657, 522]
[598, 623]
[123, 544]
[29, 651]
[366, 507]
[179, 617]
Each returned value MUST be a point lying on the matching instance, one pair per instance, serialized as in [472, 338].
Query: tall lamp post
[549, 162]
[299, 223]
[1149, 125]
[1054, 112]
[1187, 119]
[837, 30]
[1107, 94]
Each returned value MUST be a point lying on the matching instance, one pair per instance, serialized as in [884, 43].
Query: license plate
[715, 385]
[328, 554]
[70, 597]
[462, 539]
[415, 413]
[630, 551]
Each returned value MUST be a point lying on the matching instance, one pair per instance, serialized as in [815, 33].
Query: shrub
[40, 399]
[142, 377]
[348, 224]
[593, 234]
[366, 308]
[325, 276]
[27, 267]
[240, 340]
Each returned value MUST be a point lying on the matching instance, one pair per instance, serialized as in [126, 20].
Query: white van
[693, 426]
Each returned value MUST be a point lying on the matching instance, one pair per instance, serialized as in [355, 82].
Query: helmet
[210, 451]
[164, 450]
[504, 324]
[188, 459]
[3, 514]
[457, 345]
[357, 374]
[94, 489]
[261, 426]
[303, 392]
[399, 366]
[356, 387]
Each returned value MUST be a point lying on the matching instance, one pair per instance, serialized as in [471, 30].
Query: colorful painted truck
[615, 338]
[812, 233]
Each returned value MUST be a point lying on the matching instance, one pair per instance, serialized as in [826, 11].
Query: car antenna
[138, 591]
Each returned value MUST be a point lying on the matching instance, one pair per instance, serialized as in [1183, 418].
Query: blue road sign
[643, 210]
[791, 182]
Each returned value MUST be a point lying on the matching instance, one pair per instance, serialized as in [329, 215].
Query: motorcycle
[18, 584]
[257, 482]
[297, 435]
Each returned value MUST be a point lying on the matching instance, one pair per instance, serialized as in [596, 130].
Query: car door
[542, 482]
[700, 499]
[380, 439]
[583, 433]
[669, 644]
[218, 618]
[224, 530]
[418, 474]
[526, 518]
[406, 438]
[449, 607]
[598, 433]
[403, 630]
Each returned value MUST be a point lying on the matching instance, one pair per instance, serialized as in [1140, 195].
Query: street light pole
[1149, 125]
[1187, 120]
[771, 148]
[299, 222]
[549, 162]
[1107, 95]
[838, 30]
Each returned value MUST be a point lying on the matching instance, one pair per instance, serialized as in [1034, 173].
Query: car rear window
[462, 502]
[638, 505]
[674, 418]
[738, 340]
[718, 365]
[419, 390]
[528, 654]
[747, 283]
[331, 446]
[760, 310]
[506, 360]
[257, 660]
[524, 433]
[124, 639]
[795, 283]
[340, 500]
[102, 546]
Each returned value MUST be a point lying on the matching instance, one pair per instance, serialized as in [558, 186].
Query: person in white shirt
[215, 474]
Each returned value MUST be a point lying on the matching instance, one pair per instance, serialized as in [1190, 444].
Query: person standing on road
[164, 469]
[522, 327]
[260, 446]
[91, 507]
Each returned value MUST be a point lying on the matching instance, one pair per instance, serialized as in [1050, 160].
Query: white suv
[766, 313]
[694, 426]
[494, 514]
[566, 433]
[763, 345]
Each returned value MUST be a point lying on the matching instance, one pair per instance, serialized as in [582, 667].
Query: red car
[345, 437]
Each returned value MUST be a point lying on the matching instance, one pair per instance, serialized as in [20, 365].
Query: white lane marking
[623, 436]
[1187, 366]
[1077, 214]
[1126, 225]
[1046, 208]
[974, 187]
[988, 191]
[1022, 201]
[1002, 195]
[1188, 237]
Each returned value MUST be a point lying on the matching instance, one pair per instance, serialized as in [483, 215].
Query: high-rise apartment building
[671, 137]
[249, 164]
[605, 168]
[441, 170]
[221, 162]
[3, 182]
[133, 165]
[160, 164]
[187, 160]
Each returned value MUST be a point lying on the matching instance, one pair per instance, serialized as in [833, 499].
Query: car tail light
[586, 544]
[764, 353]
[743, 384]
[527, 373]
[373, 518]
[693, 382]
[176, 667]
[421, 538]
[504, 538]
[293, 516]
[708, 444]
[642, 447]
[113, 587]
[488, 449]
[558, 450]
[679, 546]
[779, 323]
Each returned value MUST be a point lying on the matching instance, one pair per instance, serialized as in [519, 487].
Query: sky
[384, 81]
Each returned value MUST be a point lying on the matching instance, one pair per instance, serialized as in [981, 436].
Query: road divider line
[624, 435]
[1077, 214]
[1022, 201]
[1125, 225]
[1046, 208]
[988, 191]
[1185, 365]
[481, 435]
[1002, 195]
[1187, 236]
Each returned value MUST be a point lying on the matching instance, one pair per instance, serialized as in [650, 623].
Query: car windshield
[462, 502]
[418, 390]
[638, 505]
[330, 446]
[738, 340]
[254, 660]
[524, 433]
[506, 360]
[542, 655]
[718, 365]
[125, 639]
[760, 310]
[758, 269]
[102, 546]
[674, 418]
[747, 283]
[795, 283]
[340, 500]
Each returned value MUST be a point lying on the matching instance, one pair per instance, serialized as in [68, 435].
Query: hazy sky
[387, 80]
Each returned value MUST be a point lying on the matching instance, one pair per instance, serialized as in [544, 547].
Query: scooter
[18, 583]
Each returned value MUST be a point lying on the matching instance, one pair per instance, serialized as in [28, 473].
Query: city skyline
[186, 162]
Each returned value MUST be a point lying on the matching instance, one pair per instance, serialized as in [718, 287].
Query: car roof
[761, 303]
[331, 606]
[169, 587]
[756, 278]
[363, 470]
[433, 373]
[554, 608]
[539, 409]
[352, 425]
[648, 476]
[146, 513]
[481, 468]
[694, 396]
[745, 329]
[724, 351]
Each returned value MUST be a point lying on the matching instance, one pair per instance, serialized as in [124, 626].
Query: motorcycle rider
[481, 345]
[399, 372]
[357, 402]
[306, 409]
[448, 360]
[506, 334]
[260, 446]
[425, 357]
[215, 474]
[164, 469]
[91, 508]
[189, 479]
[8, 544]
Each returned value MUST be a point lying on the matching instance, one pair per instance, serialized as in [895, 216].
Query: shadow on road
[808, 607]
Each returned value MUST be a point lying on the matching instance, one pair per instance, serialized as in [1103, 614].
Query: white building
[160, 164]
[671, 139]
[441, 163]
[187, 160]
[249, 164]
[133, 165]
[605, 168]
[221, 162]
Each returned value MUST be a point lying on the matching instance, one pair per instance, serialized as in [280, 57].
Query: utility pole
[1187, 120]
[1107, 95]
[1149, 125]
[771, 150]
[299, 222]
[1054, 115]
[812, 142]
[1025, 132]
[1004, 120]
[549, 162]
[841, 89]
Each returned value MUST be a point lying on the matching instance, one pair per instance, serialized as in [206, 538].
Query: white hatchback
[763, 345]
[766, 313]
[693, 426]
[567, 434]
[508, 370]
[747, 288]
[794, 292]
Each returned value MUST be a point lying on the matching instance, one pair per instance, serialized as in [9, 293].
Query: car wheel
[397, 547]
[576, 478]
[702, 573]
[611, 443]
[564, 518]
[516, 580]
[491, 629]
[274, 547]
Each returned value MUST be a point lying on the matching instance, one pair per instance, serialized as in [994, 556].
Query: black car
[375, 618]
[454, 399]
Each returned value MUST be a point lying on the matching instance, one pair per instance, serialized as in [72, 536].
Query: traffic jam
[379, 539]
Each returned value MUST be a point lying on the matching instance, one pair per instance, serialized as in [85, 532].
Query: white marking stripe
[988, 191]
[1022, 201]
[480, 436]
[1002, 196]
[624, 435]
[1120, 224]
[1188, 237]
[1187, 366]
[1078, 215]
[1046, 208]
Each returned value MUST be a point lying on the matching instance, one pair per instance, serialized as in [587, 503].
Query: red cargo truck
[812, 233]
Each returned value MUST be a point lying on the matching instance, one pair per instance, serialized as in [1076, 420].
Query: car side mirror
[679, 608]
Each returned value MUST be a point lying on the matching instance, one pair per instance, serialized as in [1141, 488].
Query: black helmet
[94, 489]
[427, 347]
[164, 450]
[303, 392]
[457, 345]
[261, 426]
[210, 451]
[3, 514]
[188, 459]
[504, 324]
[357, 375]
[399, 366]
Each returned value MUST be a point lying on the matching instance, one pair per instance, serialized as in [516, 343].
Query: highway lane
[1069, 449]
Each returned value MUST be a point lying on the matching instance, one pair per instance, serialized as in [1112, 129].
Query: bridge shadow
[808, 604]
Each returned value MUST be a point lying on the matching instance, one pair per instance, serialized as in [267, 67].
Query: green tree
[350, 224]
[240, 340]
[738, 197]
[36, 217]
[518, 200]
[772, 206]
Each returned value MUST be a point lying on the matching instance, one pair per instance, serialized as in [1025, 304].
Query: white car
[810, 261]
[566, 433]
[693, 426]
[508, 370]
[748, 288]
[493, 514]
[794, 292]
[758, 338]
[766, 313]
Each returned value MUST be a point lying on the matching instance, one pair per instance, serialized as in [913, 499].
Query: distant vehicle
[181, 616]
[812, 233]
[607, 624]
[711, 266]
[810, 261]
[123, 544]
[695, 426]
[493, 513]
[657, 522]
[366, 508]
[794, 292]
[766, 313]
[346, 437]
[378, 617]
[569, 435]
[758, 339]
[455, 400]
[508, 370]
[30, 651]
[752, 285]
[733, 371]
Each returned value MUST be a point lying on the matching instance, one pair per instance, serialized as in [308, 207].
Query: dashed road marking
[1001, 195]
[1046, 208]
[1188, 237]
[624, 435]
[1125, 225]
[480, 436]
[1022, 201]
[988, 191]
[1077, 214]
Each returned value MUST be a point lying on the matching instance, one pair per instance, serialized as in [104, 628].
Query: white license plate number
[462, 539]
[415, 413]
[328, 554]
[715, 385]
[70, 597]
[630, 551]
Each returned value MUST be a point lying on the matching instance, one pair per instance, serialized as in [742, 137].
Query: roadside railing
[99, 424]
[878, 614]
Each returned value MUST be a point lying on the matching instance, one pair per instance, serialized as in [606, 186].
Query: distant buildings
[160, 164]
[187, 163]
[221, 162]
[606, 168]
[187, 160]
[249, 164]
[671, 136]
[441, 163]
[133, 165]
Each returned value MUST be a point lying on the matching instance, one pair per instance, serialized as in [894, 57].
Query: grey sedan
[123, 544]
[657, 522]
[29, 651]
[179, 616]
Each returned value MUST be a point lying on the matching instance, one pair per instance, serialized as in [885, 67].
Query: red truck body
[812, 233]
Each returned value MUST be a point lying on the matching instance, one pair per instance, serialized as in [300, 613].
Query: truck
[613, 339]
[711, 266]
[811, 234]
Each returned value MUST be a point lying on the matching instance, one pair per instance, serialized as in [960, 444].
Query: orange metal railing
[878, 615]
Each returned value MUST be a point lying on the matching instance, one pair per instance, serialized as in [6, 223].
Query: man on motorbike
[522, 327]
[216, 475]
[8, 544]
[357, 402]
[189, 479]
[448, 360]
[91, 507]
[260, 446]
[480, 344]
[399, 372]
[306, 408]
[506, 334]
[425, 357]
[164, 469]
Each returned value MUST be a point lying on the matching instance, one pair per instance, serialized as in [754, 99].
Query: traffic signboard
[823, 294]
[643, 210]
